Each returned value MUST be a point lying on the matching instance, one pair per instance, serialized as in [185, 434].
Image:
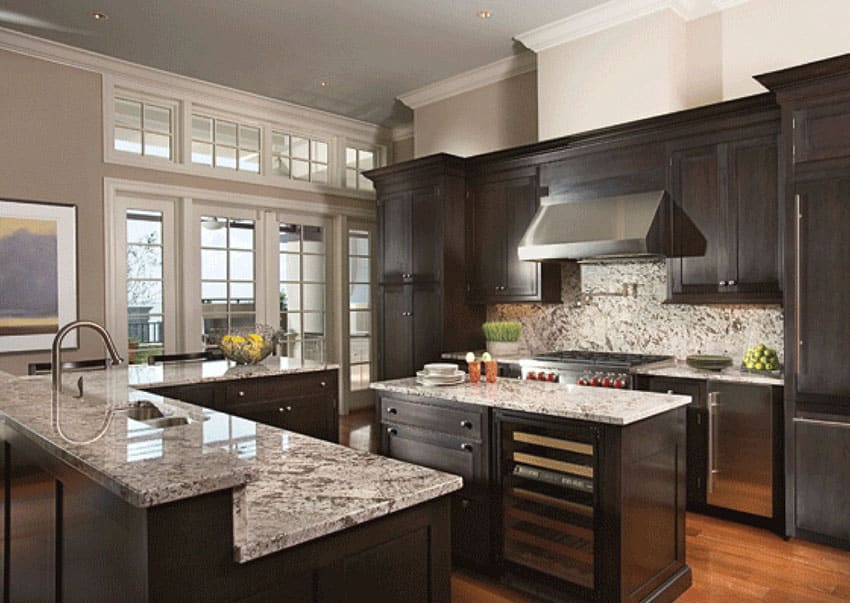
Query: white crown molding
[470, 80]
[63, 54]
[611, 14]
[402, 133]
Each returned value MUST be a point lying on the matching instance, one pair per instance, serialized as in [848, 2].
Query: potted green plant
[502, 338]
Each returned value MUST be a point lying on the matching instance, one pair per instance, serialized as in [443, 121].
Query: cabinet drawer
[456, 422]
[237, 392]
[822, 132]
[460, 457]
[297, 385]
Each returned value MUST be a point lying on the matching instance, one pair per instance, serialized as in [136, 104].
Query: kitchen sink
[149, 414]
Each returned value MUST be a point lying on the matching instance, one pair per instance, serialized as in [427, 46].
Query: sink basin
[144, 411]
[164, 422]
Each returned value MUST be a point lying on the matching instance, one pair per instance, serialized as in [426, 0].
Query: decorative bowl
[708, 363]
[247, 346]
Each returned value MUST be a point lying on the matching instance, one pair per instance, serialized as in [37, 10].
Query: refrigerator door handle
[712, 441]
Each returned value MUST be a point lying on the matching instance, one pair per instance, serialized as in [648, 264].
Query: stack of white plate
[440, 373]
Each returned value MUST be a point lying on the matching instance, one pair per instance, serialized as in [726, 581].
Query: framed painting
[38, 274]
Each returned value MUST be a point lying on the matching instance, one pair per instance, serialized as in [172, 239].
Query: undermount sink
[150, 415]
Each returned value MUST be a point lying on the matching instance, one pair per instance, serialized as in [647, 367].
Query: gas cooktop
[608, 359]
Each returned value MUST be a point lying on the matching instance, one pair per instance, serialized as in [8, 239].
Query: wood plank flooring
[730, 562]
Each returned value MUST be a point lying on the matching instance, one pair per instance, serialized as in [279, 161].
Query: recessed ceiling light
[323, 84]
[485, 14]
[99, 16]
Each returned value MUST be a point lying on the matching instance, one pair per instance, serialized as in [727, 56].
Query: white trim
[611, 14]
[175, 84]
[470, 80]
[400, 133]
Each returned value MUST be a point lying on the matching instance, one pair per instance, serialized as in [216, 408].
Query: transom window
[228, 282]
[143, 128]
[225, 144]
[145, 282]
[360, 308]
[302, 255]
[358, 161]
[299, 158]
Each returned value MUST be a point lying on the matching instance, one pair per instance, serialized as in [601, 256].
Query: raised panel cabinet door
[822, 459]
[396, 351]
[822, 288]
[697, 182]
[396, 247]
[754, 195]
[427, 236]
[522, 278]
[488, 249]
[427, 322]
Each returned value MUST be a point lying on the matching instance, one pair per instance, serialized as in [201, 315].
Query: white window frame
[360, 398]
[379, 159]
[311, 138]
[239, 120]
[116, 266]
[113, 155]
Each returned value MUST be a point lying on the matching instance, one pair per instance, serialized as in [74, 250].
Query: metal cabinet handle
[240, 393]
[323, 384]
[732, 283]
[284, 409]
[466, 447]
[711, 468]
[466, 423]
[392, 410]
[822, 422]
[392, 431]
[722, 283]
[798, 249]
[464, 503]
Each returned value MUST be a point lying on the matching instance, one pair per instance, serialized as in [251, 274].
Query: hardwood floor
[730, 562]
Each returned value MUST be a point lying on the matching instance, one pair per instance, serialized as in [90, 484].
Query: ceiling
[367, 51]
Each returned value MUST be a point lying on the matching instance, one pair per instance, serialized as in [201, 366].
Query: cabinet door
[309, 416]
[822, 458]
[754, 198]
[697, 188]
[488, 251]
[396, 351]
[522, 279]
[460, 457]
[822, 289]
[426, 238]
[427, 325]
[395, 227]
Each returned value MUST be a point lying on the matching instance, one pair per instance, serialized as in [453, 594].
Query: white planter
[500, 349]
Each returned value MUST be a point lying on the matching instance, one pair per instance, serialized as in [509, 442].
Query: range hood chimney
[627, 227]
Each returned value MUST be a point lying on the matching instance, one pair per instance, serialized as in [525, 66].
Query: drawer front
[240, 391]
[456, 422]
[471, 530]
[296, 385]
[463, 458]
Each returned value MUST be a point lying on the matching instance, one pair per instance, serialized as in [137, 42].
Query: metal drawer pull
[722, 283]
[392, 431]
[392, 410]
[284, 409]
[240, 393]
[732, 283]
[466, 447]
[467, 424]
[822, 422]
[323, 384]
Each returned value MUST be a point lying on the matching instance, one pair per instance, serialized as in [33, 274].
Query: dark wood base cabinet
[66, 538]
[565, 510]
[306, 403]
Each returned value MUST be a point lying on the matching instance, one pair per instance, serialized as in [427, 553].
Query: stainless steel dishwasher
[740, 447]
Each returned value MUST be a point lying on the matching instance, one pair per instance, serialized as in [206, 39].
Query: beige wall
[50, 120]
[403, 150]
[624, 73]
[497, 116]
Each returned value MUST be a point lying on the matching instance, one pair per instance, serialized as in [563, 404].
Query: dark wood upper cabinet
[422, 265]
[501, 207]
[728, 191]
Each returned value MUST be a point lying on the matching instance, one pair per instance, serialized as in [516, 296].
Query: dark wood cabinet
[728, 189]
[451, 437]
[303, 402]
[696, 430]
[421, 265]
[501, 208]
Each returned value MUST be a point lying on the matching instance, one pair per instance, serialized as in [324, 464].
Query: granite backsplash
[619, 307]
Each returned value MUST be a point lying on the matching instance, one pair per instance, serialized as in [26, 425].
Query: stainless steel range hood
[631, 226]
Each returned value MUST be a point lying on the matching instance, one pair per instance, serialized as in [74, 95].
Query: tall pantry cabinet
[815, 101]
[422, 265]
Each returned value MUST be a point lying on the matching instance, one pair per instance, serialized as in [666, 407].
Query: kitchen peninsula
[568, 491]
[129, 495]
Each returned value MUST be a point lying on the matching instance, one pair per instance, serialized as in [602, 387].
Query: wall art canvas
[38, 274]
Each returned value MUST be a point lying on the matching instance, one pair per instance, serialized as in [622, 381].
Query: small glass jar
[474, 371]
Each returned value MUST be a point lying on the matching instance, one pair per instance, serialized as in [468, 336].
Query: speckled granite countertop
[288, 488]
[732, 374]
[600, 405]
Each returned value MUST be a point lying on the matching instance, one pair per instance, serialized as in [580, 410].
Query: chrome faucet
[56, 349]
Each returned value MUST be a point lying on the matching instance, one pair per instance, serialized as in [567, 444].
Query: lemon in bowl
[247, 347]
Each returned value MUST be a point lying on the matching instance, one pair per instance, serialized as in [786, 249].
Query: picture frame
[38, 274]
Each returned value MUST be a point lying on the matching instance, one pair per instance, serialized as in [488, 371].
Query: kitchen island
[128, 495]
[570, 492]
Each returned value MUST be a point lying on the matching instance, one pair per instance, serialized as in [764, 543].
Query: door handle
[392, 431]
[798, 245]
[711, 467]
[466, 447]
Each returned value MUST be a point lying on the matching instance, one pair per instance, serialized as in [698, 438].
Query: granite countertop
[288, 488]
[731, 375]
[599, 405]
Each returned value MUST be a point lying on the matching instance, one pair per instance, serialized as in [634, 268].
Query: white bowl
[441, 368]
